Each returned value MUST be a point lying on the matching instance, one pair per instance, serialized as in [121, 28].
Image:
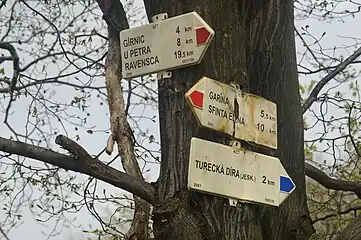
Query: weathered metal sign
[172, 43]
[241, 115]
[237, 173]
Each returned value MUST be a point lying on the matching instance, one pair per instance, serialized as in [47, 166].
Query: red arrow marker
[196, 98]
[202, 35]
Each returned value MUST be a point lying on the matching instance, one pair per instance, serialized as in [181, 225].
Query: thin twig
[4, 234]
[327, 78]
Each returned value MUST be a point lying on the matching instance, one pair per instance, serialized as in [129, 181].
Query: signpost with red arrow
[165, 45]
[228, 110]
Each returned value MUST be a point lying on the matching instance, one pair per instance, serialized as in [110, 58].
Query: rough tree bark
[254, 47]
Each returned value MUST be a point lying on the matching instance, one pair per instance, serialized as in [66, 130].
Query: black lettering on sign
[183, 54]
[236, 119]
[187, 29]
[267, 181]
[263, 179]
[210, 167]
[131, 41]
[225, 170]
[248, 177]
[217, 111]
[260, 127]
[267, 115]
[126, 54]
[218, 97]
[136, 52]
[153, 60]
[225, 114]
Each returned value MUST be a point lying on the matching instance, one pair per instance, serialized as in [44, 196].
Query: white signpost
[226, 109]
[237, 173]
[172, 43]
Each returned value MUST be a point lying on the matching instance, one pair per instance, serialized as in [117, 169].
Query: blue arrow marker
[286, 185]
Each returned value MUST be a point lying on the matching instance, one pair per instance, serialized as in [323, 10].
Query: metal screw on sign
[233, 202]
[163, 75]
[235, 143]
[159, 17]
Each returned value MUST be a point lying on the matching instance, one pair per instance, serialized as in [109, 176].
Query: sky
[335, 36]
[341, 33]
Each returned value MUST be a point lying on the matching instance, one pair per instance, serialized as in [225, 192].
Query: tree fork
[253, 47]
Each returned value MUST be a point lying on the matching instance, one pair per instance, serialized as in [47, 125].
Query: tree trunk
[253, 47]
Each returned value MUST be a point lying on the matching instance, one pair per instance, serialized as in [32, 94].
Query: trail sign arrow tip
[286, 184]
[202, 35]
[196, 98]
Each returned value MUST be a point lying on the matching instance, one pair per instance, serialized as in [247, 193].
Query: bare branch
[82, 164]
[49, 81]
[13, 53]
[3, 3]
[115, 16]
[350, 133]
[308, 48]
[16, 66]
[2, 231]
[320, 69]
[331, 183]
[327, 78]
[5, 58]
[348, 210]
[14, 79]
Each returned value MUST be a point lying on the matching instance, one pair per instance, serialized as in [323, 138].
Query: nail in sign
[169, 44]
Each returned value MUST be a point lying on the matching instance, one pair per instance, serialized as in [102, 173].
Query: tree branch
[121, 132]
[13, 53]
[331, 183]
[16, 66]
[338, 213]
[82, 163]
[2, 231]
[327, 78]
[3, 3]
